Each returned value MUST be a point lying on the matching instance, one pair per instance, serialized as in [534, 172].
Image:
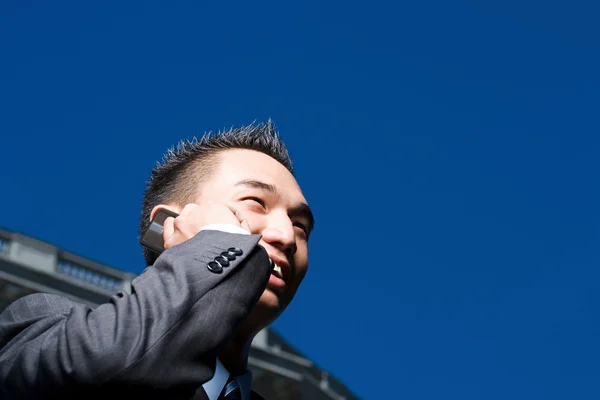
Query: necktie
[232, 391]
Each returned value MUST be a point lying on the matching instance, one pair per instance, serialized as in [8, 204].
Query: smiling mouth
[277, 270]
[277, 281]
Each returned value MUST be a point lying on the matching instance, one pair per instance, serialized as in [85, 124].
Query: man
[234, 259]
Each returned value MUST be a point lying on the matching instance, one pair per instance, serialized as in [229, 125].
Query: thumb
[244, 224]
[243, 221]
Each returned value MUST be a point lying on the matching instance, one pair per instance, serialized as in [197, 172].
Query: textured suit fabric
[161, 340]
[256, 396]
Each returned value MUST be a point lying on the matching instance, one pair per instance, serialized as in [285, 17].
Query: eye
[301, 226]
[256, 200]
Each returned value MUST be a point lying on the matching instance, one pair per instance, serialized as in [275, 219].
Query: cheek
[301, 263]
[301, 267]
[254, 219]
[256, 223]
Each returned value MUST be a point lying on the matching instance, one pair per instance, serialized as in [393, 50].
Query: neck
[234, 354]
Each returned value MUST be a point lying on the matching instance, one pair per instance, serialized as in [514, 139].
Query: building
[28, 265]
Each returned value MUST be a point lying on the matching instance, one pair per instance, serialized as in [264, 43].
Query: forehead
[240, 164]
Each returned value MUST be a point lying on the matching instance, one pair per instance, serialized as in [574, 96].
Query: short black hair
[178, 176]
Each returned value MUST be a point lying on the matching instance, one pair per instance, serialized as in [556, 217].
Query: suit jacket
[161, 340]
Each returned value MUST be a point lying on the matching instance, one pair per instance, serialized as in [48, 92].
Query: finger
[244, 224]
[238, 215]
[243, 221]
[168, 228]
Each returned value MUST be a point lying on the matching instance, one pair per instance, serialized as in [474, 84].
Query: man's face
[269, 198]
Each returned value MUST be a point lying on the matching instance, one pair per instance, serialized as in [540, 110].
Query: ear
[171, 207]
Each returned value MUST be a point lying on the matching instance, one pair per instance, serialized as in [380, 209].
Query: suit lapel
[200, 394]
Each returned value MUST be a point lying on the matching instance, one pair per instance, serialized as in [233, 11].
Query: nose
[279, 233]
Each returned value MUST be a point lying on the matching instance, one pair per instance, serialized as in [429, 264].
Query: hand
[194, 217]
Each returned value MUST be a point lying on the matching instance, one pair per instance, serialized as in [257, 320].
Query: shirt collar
[214, 387]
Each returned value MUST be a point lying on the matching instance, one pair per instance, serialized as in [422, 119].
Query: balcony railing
[42, 266]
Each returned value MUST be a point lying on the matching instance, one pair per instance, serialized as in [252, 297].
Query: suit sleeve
[164, 335]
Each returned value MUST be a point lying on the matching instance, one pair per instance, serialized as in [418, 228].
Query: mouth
[279, 274]
[276, 270]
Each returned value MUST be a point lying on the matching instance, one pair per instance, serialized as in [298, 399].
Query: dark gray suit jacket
[161, 340]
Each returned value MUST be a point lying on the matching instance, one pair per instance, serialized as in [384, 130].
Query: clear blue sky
[450, 151]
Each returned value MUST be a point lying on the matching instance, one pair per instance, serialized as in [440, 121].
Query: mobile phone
[152, 239]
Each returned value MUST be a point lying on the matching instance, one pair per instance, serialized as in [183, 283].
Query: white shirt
[214, 387]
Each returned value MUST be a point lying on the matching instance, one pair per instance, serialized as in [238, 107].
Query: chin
[269, 307]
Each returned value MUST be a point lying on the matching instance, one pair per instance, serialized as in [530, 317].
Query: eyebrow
[258, 185]
[301, 210]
